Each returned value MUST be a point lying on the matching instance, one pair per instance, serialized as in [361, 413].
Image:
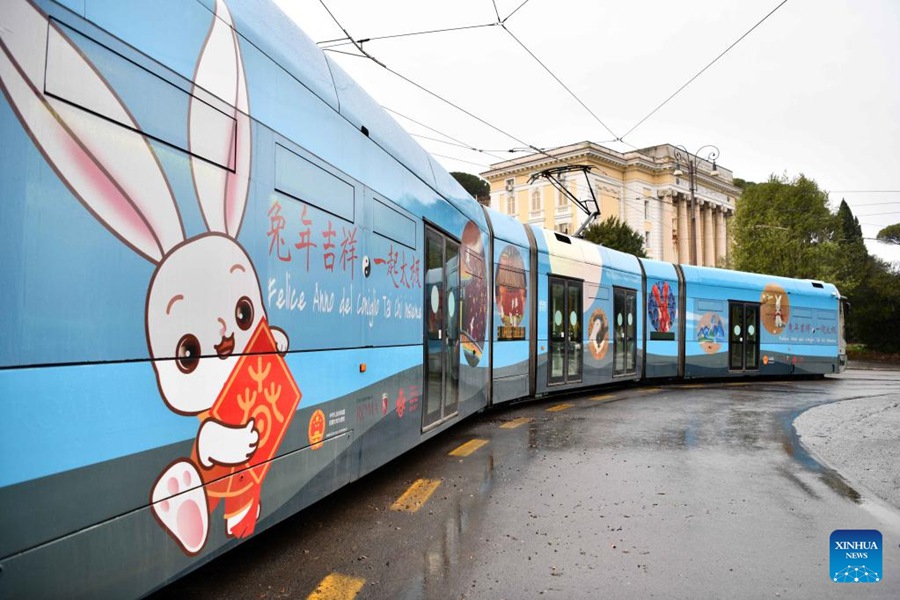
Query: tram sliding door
[743, 336]
[625, 330]
[566, 344]
[442, 305]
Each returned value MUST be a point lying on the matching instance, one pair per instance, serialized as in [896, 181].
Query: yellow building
[650, 189]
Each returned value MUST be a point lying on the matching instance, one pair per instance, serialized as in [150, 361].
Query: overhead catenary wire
[343, 41]
[559, 81]
[451, 143]
[346, 41]
[500, 22]
[496, 11]
[448, 136]
[419, 86]
[469, 162]
[636, 205]
[867, 205]
[364, 54]
[703, 70]
[515, 11]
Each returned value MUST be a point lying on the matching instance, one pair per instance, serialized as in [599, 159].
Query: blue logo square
[855, 556]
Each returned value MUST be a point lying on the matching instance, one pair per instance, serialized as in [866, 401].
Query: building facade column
[709, 255]
[721, 246]
[726, 225]
[683, 233]
[665, 225]
[700, 251]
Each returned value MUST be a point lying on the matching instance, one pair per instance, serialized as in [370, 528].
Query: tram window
[160, 90]
[394, 225]
[310, 183]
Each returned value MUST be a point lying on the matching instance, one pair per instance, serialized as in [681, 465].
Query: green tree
[617, 235]
[852, 263]
[874, 309]
[890, 234]
[477, 187]
[853, 267]
[784, 227]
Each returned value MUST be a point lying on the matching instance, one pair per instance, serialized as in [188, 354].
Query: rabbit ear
[220, 71]
[111, 169]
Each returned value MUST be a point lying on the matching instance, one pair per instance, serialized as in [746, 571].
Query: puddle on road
[451, 544]
[555, 434]
[794, 448]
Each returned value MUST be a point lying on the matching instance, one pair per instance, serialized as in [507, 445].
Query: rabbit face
[204, 301]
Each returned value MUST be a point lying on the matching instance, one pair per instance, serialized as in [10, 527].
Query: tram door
[566, 340]
[743, 336]
[625, 332]
[442, 306]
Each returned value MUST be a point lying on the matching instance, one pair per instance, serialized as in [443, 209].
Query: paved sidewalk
[860, 439]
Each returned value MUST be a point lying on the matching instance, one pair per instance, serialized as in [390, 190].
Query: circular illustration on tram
[599, 334]
[711, 332]
[775, 309]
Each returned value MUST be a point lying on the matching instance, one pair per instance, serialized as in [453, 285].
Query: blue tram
[233, 284]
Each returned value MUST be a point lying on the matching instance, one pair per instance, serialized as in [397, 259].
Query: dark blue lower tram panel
[63, 519]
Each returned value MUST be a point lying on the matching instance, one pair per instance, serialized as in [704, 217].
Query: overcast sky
[814, 89]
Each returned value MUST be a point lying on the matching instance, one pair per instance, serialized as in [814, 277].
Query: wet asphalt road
[687, 491]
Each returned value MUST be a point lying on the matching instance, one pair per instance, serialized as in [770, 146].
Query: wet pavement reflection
[679, 491]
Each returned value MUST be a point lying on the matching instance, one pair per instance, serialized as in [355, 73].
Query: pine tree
[853, 264]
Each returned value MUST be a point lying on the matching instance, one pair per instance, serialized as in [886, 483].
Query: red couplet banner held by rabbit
[260, 389]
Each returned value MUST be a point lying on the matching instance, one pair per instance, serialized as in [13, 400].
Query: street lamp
[690, 160]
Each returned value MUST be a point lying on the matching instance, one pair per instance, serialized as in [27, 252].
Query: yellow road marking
[604, 397]
[337, 587]
[516, 423]
[647, 390]
[468, 448]
[693, 386]
[559, 407]
[740, 383]
[416, 495]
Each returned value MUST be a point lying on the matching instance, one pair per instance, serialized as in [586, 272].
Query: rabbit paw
[281, 339]
[179, 504]
[224, 445]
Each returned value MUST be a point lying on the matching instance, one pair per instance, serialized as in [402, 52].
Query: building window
[510, 185]
[561, 199]
[536, 200]
[563, 228]
[511, 205]
[646, 209]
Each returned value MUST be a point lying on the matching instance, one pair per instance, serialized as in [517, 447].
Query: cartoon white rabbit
[204, 297]
[779, 321]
